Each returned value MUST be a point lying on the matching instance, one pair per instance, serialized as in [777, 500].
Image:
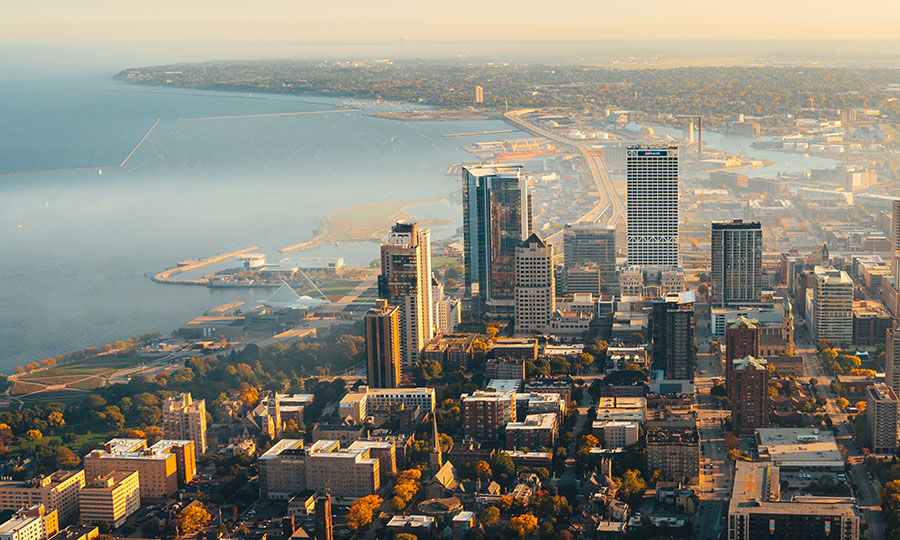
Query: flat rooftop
[798, 448]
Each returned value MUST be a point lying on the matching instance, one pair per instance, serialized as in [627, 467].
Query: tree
[405, 536]
[66, 458]
[362, 511]
[491, 516]
[842, 403]
[483, 470]
[861, 406]
[632, 487]
[33, 435]
[523, 525]
[192, 518]
[55, 419]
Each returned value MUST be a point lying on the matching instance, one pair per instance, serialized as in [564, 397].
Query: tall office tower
[672, 335]
[324, 528]
[496, 219]
[882, 418]
[652, 206]
[479, 94]
[588, 244]
[736, 275]
[383, 345]
[750, 403]
[741, 340]
[405, 282]
[895, 227]
[184, 418]
[688, 131]
[830, 308]
[892, 360]
[535, 294]
[274, 424]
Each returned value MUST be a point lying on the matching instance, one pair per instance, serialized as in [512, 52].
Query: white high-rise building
[184, 418]
[447, 313]
[652, 206]
[535, 295]
[405, 282]
[829, 309]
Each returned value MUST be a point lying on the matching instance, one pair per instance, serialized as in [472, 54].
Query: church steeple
[435, 457]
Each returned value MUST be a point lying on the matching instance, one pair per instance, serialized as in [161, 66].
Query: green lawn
[89, 366]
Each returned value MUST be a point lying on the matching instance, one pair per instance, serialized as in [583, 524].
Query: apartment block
[675, 454]
[185, 418]
[485, 414]
[359, 405]
[57, 491]
[161, 466]
[288, 468]
[538, 430]
[882, 418]
[32, 523]
[110, 498]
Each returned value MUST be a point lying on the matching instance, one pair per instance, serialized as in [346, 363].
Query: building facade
[110, 498]
[892, 360]
[672, 335]
[383, 353]
[288, 468]
[405, 282]
[185, 418]
[829, 309]
[741, 340]
[675, 454]
[882, 417]
[535, 293]
[485, 414]
[652, 206]
[590, 245]
[497, 217]
[162, 466]
[750, 394]
[57, 491]
[736, 263]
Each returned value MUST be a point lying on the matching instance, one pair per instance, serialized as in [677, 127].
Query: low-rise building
[452, 351]
[757, 511]
[562, 387]
[520, 348]
[110, 498]
[535, 403]
[624, 409]
[794, 449]
[343, 433]
[505, 368]
[615, 433]
[537, 431]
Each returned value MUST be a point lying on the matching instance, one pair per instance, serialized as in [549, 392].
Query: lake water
[75, 273]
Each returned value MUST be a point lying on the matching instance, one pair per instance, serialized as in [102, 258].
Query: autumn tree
[362, 511]
[33, 435]
[490, 516]
[483, 470]
[523, 525]
[192, 518]
[406, 488]
[66, 458]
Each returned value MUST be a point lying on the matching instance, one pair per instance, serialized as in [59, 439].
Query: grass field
[90, 366]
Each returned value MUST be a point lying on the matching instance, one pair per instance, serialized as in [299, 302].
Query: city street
[715, 469]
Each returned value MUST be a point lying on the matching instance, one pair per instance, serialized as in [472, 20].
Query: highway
[611, 206]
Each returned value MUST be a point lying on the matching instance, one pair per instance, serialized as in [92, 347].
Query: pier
[263, 115]
[187, 266]
[478, 133]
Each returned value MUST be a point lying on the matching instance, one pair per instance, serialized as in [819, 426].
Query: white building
[829, 309]
[357, 405]
[535, 293]
[446, 311]
[652, 206]
[615, 433]
[32, 523]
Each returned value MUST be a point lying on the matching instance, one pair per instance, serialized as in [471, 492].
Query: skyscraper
[736, 275]
[882, 417]
[750, 397]
[383, 345]
[672, 335]
[829, 309]
[496, 219]
[652, 206]
[535, 295]
[895, 228]
[588, 244]
[405, 282]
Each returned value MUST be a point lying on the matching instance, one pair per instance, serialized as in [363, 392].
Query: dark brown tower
[324, 528]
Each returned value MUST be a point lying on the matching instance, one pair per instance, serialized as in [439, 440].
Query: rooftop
[800, 447]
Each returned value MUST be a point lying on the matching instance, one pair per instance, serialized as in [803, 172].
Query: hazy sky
[428, 20]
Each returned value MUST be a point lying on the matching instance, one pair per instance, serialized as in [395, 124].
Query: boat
[99, 171]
